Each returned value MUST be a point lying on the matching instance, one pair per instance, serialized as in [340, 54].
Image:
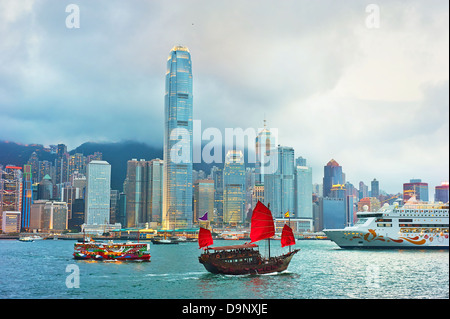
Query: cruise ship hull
[416, 224]
[351, 238]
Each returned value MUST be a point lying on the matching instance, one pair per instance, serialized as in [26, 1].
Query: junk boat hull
[242, 261]
[112, 251]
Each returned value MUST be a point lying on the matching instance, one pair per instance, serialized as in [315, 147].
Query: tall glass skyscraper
[178, 149]
[332, 175]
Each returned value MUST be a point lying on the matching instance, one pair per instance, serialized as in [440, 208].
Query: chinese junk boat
[246, 258]
[112, 251]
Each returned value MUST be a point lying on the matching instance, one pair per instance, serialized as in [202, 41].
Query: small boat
[27, 239]
[164, 242]
[112, 251]
[246, 258]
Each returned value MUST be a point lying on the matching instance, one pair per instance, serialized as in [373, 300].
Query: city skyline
[373, 99]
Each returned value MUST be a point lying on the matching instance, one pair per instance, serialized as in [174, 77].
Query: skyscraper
[441, 193]
[375, 188]
[303, 190]
[178, 144]
[234, 187]
[279, 187]
[265, 142]
[98, 193]
[204, 198]
[332, 175]
[27, 194]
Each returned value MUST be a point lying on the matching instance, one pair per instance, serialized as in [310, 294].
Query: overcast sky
[374, 99]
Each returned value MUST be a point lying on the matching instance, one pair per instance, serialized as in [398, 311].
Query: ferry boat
[246, 258]
[112, 251]
[416, 224]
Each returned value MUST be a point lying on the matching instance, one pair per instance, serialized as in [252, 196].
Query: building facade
[234, 188]
[98, 193]
[178, 144]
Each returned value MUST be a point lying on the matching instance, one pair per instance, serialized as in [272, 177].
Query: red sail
[262, 223]
[287, 236]
[204, 238]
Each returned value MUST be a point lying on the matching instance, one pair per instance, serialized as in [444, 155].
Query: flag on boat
[286, 215]
[204, 238]
[204, 217]
[287, 236]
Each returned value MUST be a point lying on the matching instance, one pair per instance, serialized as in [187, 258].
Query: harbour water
[46, 269]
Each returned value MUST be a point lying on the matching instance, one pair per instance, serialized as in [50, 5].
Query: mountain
[18, 154]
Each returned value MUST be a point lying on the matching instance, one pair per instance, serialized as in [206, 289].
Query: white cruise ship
[414, 225]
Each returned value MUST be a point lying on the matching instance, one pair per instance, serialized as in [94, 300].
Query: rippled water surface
[320, 270]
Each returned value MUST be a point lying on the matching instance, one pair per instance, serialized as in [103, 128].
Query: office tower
[55, 216]
[203, 199]
[234, 187]
[36, 214]
[10, 190]
[136, 188]
[143, 188]
[279, 187]
[97, 156]
[217, 177]
[415, 187]
[98, 193]
[34, 162]
[77, 218]
[303, 190]
[62, 164]
[155, 189]
[10, 222]
[374, 188]
[27, 197]
[441, 193]
[45, 188]
[113, 206]
[332, 176]
[264, 147]
[178, 144]
[363, 190]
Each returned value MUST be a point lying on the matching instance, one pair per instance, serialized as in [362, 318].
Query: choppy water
[320, 270]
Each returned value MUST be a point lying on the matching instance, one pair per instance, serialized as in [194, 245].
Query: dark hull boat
[246, 259]
[243, 260]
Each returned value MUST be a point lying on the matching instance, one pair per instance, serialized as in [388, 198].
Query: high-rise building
[10, 190]
[264, 147]
[45, 188]
[62, 164]
[143, 188]
[98, 193]
[332, 175]
[279, 187]
[203, 199]
[374, 188]
[155, 189]
[217, 177]
[178, 143]
[415, 187]
[55, 216]
[303, 191]
[234, 188]
[27, 197]
[441, 193]
[37, 213]
[34, 162]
